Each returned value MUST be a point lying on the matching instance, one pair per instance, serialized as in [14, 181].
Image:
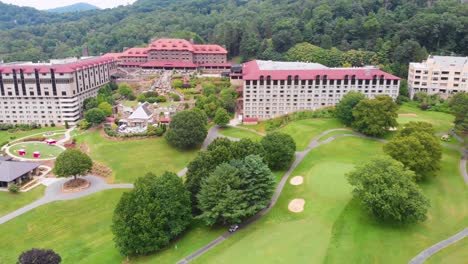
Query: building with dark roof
[271, 88]
[169, 54]
[53, 92]
[16, 171]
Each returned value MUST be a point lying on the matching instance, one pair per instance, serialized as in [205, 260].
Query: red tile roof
[116, 56]
[165, 120]
[251, 71]
[169, 64]
[59, 68]
[209, 49]
[249, 119]
[171, 44]
[135, 52]
[227, 64]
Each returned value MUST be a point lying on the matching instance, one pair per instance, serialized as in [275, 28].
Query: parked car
[233, 228]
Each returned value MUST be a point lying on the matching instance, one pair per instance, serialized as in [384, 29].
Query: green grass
[129, 103]
[334, 228]
[303, 131]
[453, 254]
[239, 133]
[338, 132]
[47, 151]
[134, 158]
[6, 136]
[442, 122]
[11, 202]
[79, 230]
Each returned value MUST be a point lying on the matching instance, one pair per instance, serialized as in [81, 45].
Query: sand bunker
[296, 205]
[410, 115]
[298, 180]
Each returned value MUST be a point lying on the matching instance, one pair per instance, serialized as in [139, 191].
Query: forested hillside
[386, 32]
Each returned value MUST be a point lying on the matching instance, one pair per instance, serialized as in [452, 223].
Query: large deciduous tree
[72, 162]
[344, 109]
[221, 117]
[187, 130]
[39, 256]
[375, 116]
[417, 149]
[95, 116]
[235, 191]
[148, 217]
[388, 191]
[459, 105]
[279, 150]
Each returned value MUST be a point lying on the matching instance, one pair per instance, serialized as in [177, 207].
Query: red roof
[179, 64]
[209, 49]
[129, 64]
[59, 68]
[251, 71]
[250, 119]
[135, 52]
[228, 64]
[165, 120]
[171, 44]
[116, 56]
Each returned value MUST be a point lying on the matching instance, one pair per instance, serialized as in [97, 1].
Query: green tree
[126, 91]
[72, 162]
[344, 109]
[413, 127]
[459, 105]
[208, 89]
[419, 151]
[95, 116]
[148, 217]
[90, 103]
[235, 191]
[106, 108]
[387, 190]
[375, 116]
[279, 150]
[221, 117]
[245, 147]
[187, 130]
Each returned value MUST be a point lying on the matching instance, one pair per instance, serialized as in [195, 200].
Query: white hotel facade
[50, 93]
[273, 89]
[443, 75]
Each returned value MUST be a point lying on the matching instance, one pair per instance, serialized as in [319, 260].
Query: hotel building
[442, 75]
[50, 93]
[170, 54]
[273, 89]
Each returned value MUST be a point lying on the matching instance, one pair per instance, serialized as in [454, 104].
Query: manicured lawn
[10, 202]
[338, 132]
[6, 136]
[80, 231]
[454, 254]
[47, 151]
[129, 103]
[442, 122]
[239, 133]
[303, 131]
[134, 158]
[334, 228]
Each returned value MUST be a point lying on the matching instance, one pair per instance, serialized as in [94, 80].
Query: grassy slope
[239, 133]
[6, 136]
[442, 122]
[304, 131]
[10, 202]
[334, 228]
[132, 159]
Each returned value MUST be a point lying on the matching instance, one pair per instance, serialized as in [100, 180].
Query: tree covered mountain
[390, 32]
[78, 7]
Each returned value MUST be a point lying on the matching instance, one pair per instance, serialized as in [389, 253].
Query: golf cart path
[54, 193]
[299, 157]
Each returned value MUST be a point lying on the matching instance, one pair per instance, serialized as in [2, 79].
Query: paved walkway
[423, 256]
[54, 193]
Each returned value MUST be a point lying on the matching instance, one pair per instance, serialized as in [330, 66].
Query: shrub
[39, 256]
[67, 126]
[13, 188]
[83, 124]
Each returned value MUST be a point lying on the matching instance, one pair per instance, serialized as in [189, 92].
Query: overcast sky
[47, 4]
